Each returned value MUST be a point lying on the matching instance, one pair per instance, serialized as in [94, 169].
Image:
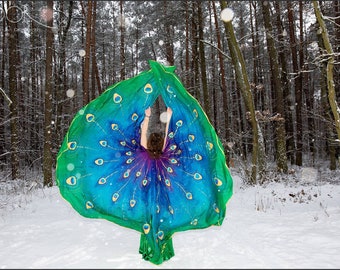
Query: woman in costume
[107, 169]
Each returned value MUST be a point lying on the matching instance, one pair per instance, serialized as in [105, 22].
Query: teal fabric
[104, 172]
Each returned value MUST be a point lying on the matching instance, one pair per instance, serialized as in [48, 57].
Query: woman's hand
[144, 127]
[169, 111]
[148, 112]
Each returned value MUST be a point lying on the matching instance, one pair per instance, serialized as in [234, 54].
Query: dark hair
[155, 144]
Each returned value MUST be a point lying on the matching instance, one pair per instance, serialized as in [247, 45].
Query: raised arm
[168, 117]
[144, 127]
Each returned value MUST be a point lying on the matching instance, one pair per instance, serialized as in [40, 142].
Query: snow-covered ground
[280, 225]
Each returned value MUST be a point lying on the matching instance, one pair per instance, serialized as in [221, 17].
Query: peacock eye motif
[148, 88]
[103, 143]
[72, 180]
[117, 98]
[134, 117]
[72, 145]
[89, 205]
[90, 117]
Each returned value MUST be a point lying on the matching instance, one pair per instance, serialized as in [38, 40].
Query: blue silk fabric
[104, 172]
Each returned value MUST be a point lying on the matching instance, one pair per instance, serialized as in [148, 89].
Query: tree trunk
[298, 85]
[61, 80]
[244, 86]
[35, 90]
[212, 90]
[337, 48]
[187, 52]
[122, 42]
[168, 38]
[194, 52]
[222, 79]
[281, 158]
[3, 99]
[202, 56]
[12, 74]
[47, 158]
[326, 110]
[86, 86]
[254, 40]
[330, 65]
[329, 57]
[96, 85]
[287, 95]
[307, 90]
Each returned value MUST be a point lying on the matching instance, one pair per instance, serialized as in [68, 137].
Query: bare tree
[297, 84]
[194, 52]
[288, 102]
[222, 78]
[4, 99]
[14, 106]
[329, 58]
[47, 156]
[96, 85]
[187, 37]
[61, 76]
[244, 86]
[86, 86]
[202, 56]
[281, 158]
[168, 42]
[122, 41]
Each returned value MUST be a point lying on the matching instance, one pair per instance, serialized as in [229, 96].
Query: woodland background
[268, 80]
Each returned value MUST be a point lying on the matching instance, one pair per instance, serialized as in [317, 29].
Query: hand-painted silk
[104, 172]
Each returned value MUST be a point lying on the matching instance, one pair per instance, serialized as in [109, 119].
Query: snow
[82, 53]
[70, 93]
[279, 225]
[227, 14]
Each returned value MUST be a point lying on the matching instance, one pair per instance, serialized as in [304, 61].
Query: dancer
[108, 168]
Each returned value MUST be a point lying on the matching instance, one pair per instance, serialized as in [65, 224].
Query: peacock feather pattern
[104, 172]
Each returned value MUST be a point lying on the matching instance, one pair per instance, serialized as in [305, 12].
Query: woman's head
[155, 144]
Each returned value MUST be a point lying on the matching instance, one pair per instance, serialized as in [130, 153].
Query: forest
[267, 75]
